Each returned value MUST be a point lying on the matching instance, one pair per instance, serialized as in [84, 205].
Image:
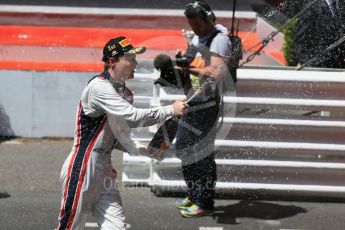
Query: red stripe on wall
[97, 37]
[87, 37]
[52, 66]
[156, 40]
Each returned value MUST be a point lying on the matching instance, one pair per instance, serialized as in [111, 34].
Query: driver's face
[125, 66]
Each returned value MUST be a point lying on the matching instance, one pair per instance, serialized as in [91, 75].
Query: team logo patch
[150, 115]
[111, 47]
[137, 50]
[124, 43]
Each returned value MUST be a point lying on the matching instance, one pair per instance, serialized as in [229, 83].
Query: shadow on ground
[4, 195]
[254, 209]
[6, 130]
[3, 139]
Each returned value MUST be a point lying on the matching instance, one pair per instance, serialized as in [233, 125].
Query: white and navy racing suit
[104, 119]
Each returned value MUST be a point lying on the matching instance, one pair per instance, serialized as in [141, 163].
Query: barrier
[43, 103]
[282, 141]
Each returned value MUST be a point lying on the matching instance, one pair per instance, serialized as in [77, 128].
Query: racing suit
[104, 119]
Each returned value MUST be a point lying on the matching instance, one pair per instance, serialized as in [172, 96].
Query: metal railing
[287, 137]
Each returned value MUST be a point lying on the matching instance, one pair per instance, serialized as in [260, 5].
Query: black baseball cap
[120, 45]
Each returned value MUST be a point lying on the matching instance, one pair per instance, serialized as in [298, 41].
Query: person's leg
[82, 177]
[109, 211]
[75, 201]
[185, 140]
[190, 145]
[200, 178]
[205, 168]
[191, 176]
[203, 172]
[205, 188]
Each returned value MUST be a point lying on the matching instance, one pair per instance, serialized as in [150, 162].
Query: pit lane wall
[43, 104]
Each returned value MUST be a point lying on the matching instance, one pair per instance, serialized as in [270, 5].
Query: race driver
[103, 122]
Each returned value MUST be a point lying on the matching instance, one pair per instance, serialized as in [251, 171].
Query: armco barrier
[287, 137]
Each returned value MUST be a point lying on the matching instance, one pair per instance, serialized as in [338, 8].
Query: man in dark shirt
[318, 28]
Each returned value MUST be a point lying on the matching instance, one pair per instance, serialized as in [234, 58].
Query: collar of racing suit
[120, 88]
